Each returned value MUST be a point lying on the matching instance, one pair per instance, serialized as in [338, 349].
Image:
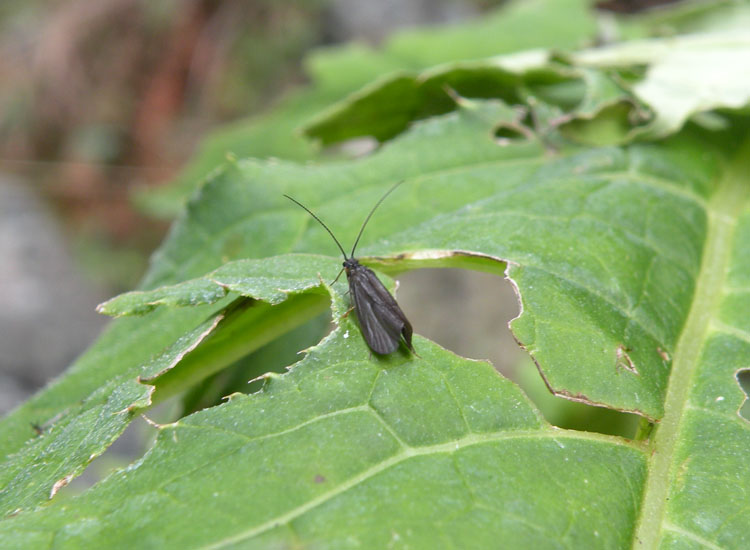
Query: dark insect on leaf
[381, 320]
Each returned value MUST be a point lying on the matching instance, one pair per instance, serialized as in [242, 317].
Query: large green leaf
[605, 319]
[632, 270]
[347, 451]
[80, 432]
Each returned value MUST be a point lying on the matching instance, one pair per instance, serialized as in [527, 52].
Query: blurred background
[104, 101]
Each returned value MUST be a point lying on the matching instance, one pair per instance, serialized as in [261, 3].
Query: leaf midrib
[724, 208]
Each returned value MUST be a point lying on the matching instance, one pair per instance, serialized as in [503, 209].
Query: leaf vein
[692, 536]
[474, 439]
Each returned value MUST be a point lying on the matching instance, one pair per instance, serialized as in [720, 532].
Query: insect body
[382, 321]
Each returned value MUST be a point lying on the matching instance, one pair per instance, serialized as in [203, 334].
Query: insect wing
[380, 318]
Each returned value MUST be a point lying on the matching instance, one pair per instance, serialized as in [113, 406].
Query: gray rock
[47, 314]
[373, 21]
[464, 311]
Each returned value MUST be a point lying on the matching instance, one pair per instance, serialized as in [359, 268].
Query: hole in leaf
[468, 313]
[573, 415]
[464, 311]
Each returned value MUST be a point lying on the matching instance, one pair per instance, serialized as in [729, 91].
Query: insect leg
[337, 277]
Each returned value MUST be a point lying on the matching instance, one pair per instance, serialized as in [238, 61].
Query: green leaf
[587, 104]
[270, 280]
[341, 452]
[384, 109]
[589, 101]
[338, 71]
[686, 75]
[631, 264]
[685, 18]
[96, 399]
[698, 476]
[79, 433]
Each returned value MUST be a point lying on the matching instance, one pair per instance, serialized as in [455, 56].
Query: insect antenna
[321, 223]
[367, 219]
